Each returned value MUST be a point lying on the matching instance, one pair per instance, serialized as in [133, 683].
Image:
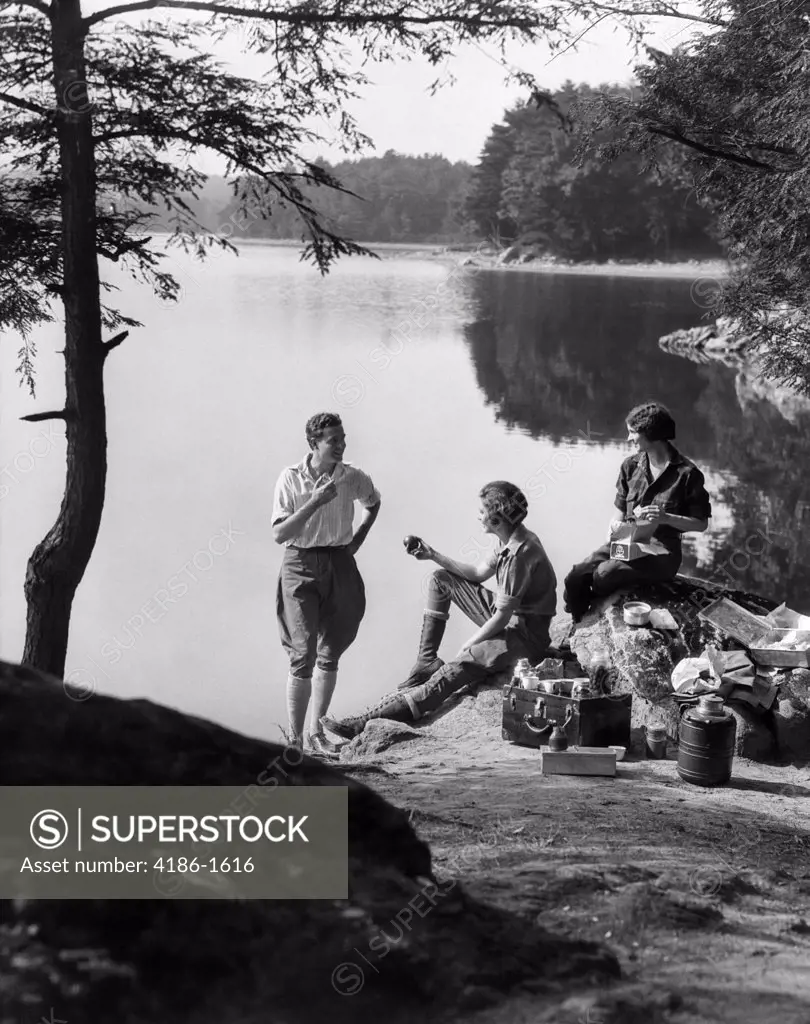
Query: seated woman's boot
[427, 660]
[394, 707]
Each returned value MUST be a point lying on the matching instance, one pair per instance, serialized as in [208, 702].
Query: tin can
[656, 742]
[580, 690]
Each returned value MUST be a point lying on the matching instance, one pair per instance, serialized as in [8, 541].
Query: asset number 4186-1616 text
[216, 865]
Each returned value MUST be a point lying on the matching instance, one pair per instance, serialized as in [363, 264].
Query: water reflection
[565, 357]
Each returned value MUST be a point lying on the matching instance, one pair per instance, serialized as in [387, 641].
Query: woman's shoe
[394, 706]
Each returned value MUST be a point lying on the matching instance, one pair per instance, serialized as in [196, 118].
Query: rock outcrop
[369, 957]
[643, 659]
[719, 340]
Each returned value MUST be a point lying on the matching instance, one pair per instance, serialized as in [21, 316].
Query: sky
[398, 112]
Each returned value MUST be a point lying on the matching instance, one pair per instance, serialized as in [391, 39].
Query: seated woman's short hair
[500, 498]
[320, 422]
[653, 420]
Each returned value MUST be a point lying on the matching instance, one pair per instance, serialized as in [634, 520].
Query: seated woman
[657, 485]
[513, 621]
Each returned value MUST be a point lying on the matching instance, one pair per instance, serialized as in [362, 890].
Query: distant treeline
[538, 181]
[533, 183]
[397, 198]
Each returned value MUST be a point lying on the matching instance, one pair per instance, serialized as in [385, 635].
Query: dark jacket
[679, 490]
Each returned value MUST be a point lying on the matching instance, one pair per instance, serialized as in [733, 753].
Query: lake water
[445, 379]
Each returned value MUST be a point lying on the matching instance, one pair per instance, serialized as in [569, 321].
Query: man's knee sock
[298, 694]
[323, 686]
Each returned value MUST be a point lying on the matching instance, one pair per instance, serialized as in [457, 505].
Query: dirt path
[703, 894]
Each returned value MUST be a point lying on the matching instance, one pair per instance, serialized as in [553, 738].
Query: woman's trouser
[599, 575]
[487, 658]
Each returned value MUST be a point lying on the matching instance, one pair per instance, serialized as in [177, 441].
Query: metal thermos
[706, 743]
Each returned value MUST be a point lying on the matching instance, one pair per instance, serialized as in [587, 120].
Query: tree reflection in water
[565, 357]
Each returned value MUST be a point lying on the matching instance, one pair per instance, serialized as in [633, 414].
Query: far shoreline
[457, 255]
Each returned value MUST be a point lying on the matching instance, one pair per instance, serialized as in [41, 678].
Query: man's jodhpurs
[320, 603]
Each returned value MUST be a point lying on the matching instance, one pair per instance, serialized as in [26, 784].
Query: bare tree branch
[35, 4]
[115, 342]
[37, 417]
[15, 101]
[303, 17]
[657, 11]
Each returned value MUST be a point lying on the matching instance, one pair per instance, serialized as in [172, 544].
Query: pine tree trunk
[58, 563]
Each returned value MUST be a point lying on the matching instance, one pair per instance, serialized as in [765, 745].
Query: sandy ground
[703, 894]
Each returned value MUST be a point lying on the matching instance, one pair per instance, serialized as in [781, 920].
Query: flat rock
[643, 658]
[379, 734]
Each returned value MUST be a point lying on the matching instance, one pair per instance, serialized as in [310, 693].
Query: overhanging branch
[720, 154]
[302, 17]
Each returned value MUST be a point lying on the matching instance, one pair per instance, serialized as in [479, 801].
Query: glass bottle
[522, 667]
[598, 669]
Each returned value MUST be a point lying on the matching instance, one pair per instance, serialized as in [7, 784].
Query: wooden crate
[578, 761]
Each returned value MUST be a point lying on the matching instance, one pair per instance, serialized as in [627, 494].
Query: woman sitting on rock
[513, 621]
[657, 485]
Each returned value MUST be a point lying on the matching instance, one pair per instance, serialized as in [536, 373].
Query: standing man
[321, 599]
[512, 621]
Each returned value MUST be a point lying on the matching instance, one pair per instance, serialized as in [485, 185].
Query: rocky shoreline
[515, 258]
[719, 340]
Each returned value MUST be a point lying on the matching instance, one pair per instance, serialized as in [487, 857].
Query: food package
[689, 671]
[662, 618]
[787, 618]
[549, 668]
[793, 640]
[633, 540]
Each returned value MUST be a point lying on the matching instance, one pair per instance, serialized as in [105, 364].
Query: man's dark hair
[320, 422]
[653, 420]
[500, 498]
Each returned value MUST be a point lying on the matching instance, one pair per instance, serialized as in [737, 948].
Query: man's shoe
[319, 746]
[421, 674]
